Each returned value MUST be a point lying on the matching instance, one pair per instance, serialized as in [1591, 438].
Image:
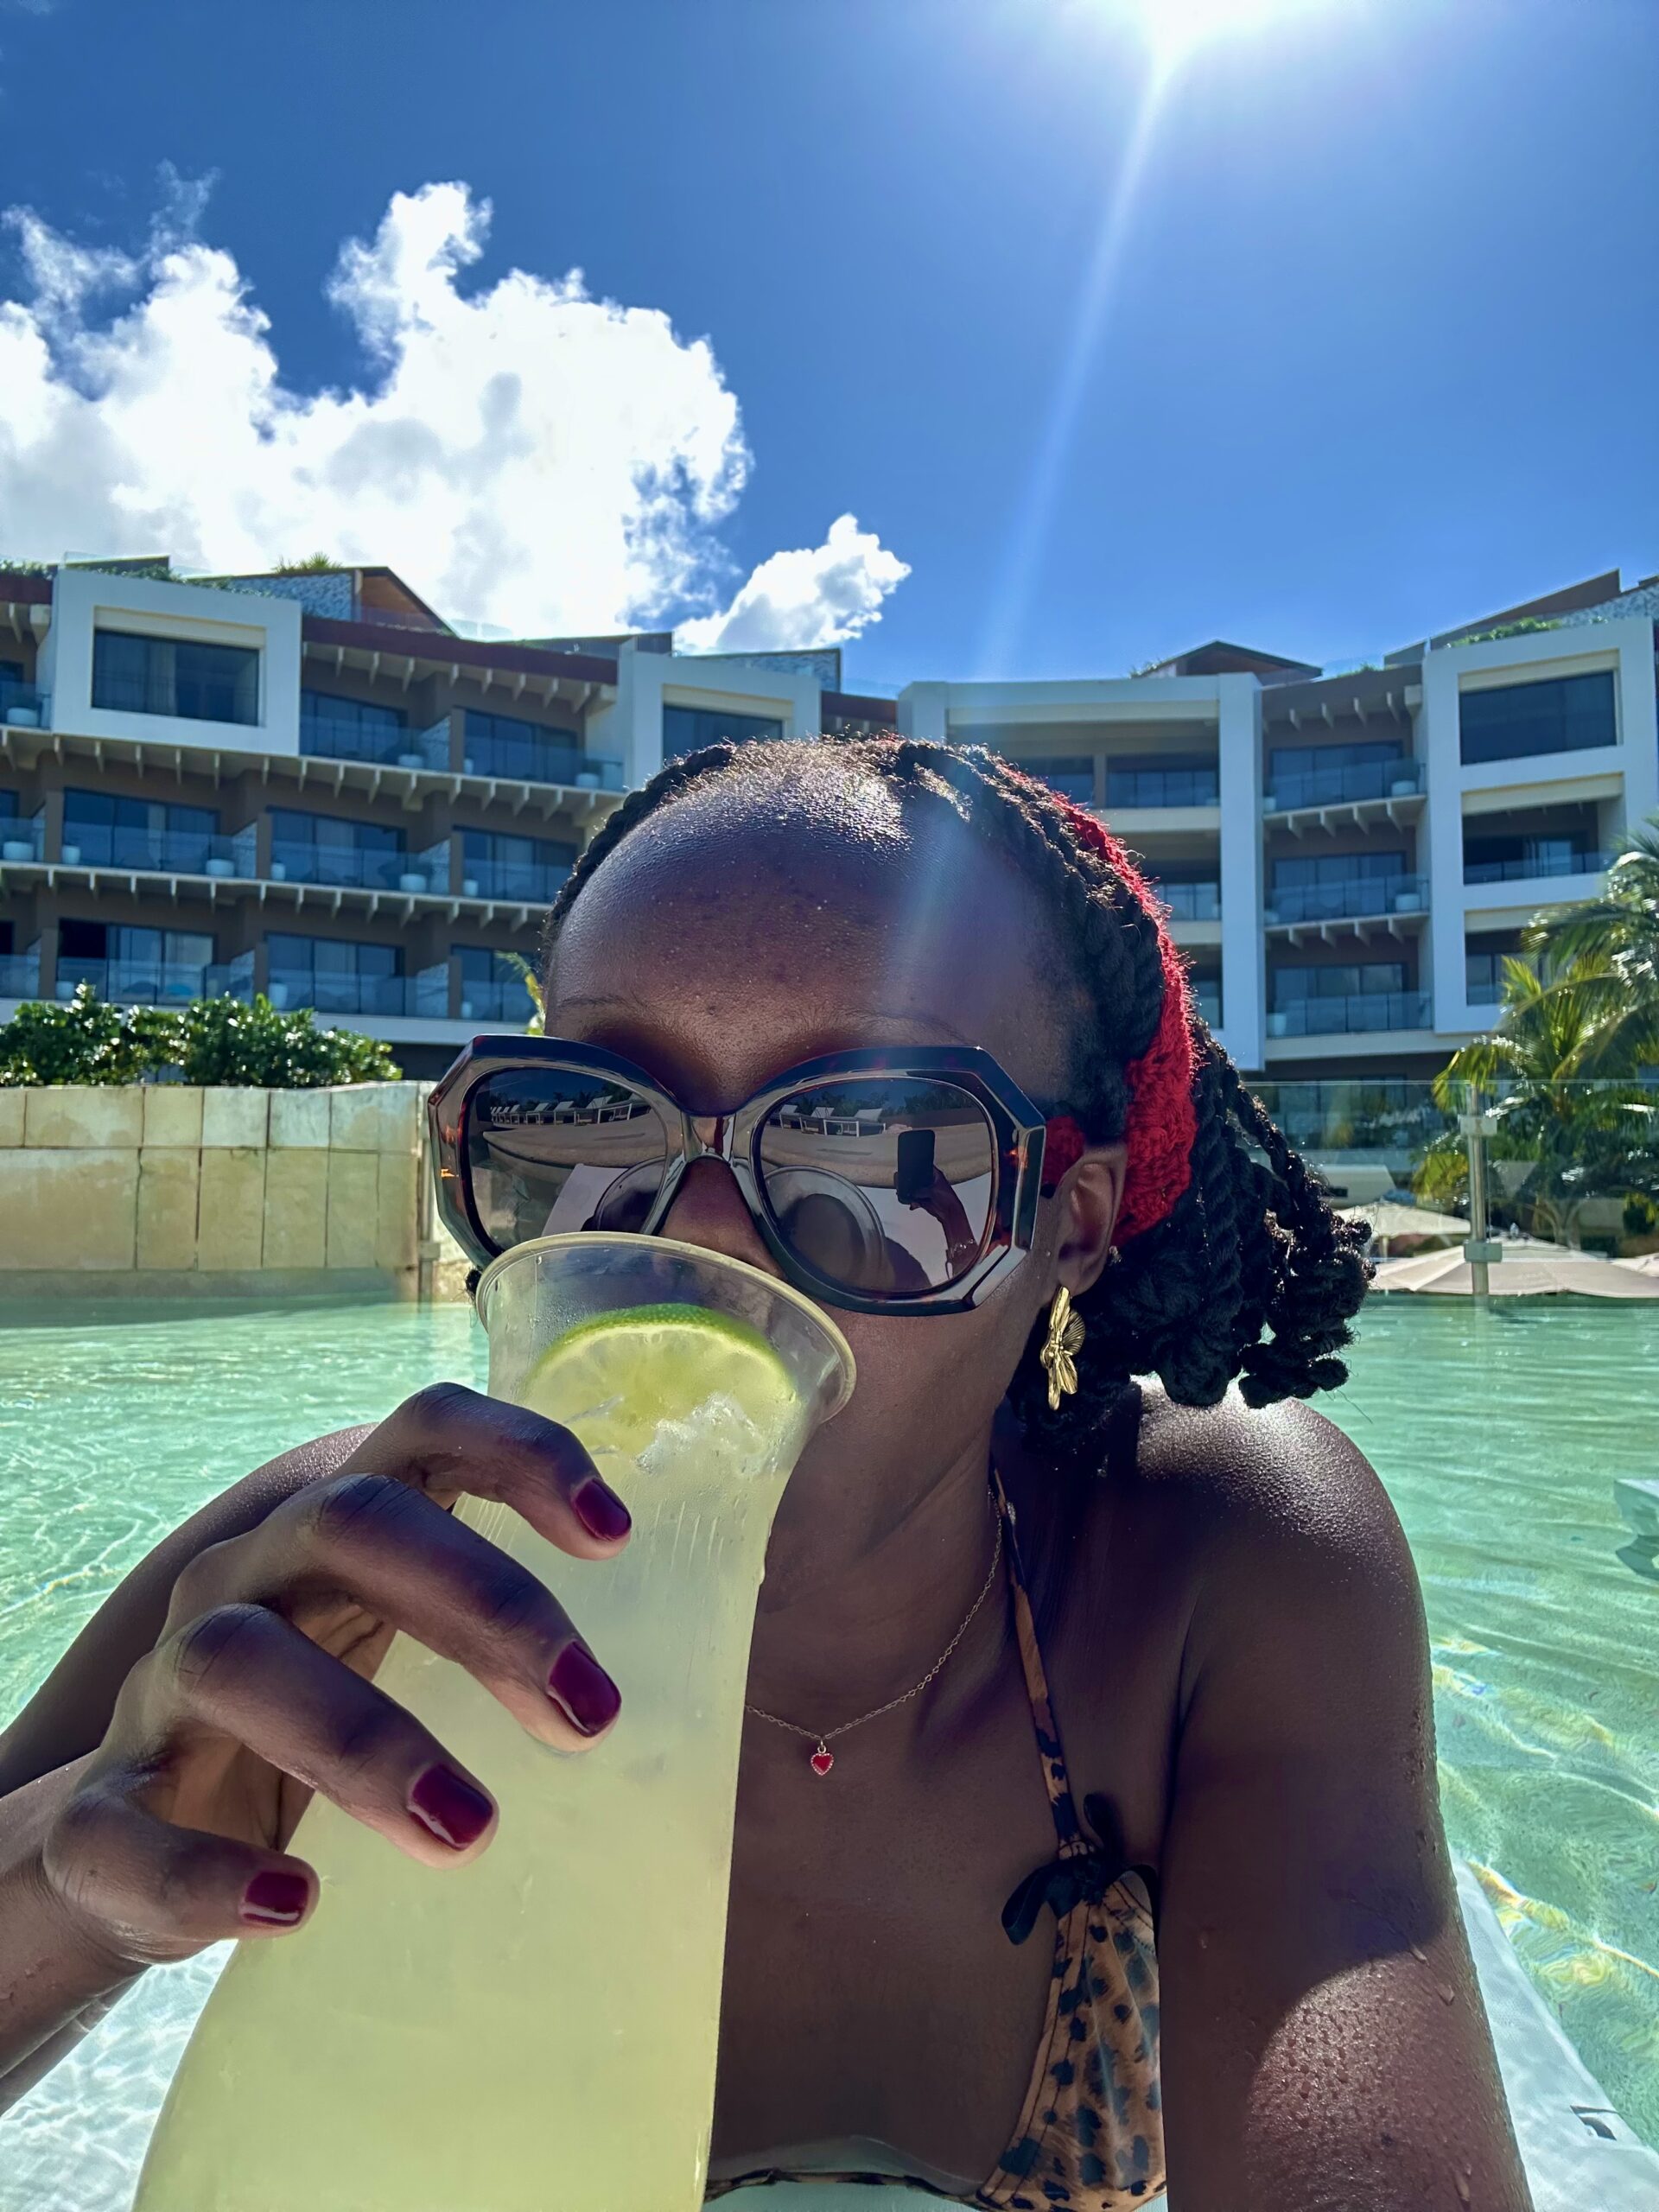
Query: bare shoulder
[69, 1713]
[1283, 1478]
[1291, 1560]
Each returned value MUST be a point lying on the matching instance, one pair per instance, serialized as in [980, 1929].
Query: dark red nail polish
[581, 1686]
[601, 1512]
[274, 1899]
[456, 1813]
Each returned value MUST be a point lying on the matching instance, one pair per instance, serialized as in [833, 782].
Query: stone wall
[163, 1188]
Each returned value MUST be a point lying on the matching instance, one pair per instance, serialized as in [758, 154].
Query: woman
[1040, 1648]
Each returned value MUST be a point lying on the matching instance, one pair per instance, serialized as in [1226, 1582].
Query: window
[175, 675]
[349, 729]
[101, 831]
[8, 806]
[513, 867]
[504, 744]
[688, 729]
[12, 685]
[1071, 774]
[1349, 980]
[1336, 867]
[335, 975]
[152, 967]
[492, 986]
[1162, 779]
[1563, 715]
[1315, 760]
[324, 849]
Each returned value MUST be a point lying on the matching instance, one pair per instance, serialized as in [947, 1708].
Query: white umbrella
[1387, 1219]
[1523, 1271]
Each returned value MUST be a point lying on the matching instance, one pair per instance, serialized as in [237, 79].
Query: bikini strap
[1067, 1826]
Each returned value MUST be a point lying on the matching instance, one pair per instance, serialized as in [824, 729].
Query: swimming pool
[1499, 1432]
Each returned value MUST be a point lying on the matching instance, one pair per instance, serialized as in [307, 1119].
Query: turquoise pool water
[1499, 1434]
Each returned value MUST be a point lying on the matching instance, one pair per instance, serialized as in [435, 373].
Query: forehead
[743, 928]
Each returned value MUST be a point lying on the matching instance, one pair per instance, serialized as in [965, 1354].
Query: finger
[449, 1439]
[244, 1673]
[407, 1561]
[147, 1892]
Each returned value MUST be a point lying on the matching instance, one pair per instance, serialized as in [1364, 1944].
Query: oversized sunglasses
[881, 1181]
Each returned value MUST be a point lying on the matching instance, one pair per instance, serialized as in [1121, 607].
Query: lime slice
[624, 1380]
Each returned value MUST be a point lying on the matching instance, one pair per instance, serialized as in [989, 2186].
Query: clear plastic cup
[538, 2031]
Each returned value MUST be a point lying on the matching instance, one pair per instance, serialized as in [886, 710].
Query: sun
[1172, 29]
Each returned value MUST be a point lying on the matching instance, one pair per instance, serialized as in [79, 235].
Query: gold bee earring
[1059, 1355]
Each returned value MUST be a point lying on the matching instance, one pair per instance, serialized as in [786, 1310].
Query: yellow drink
[537, 2032]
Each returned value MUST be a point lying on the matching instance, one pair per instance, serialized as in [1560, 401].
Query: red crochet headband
[1161, 1123]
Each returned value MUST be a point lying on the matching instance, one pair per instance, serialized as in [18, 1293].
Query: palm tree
[1619, 934]
[1551, 1070]
[536, 1020]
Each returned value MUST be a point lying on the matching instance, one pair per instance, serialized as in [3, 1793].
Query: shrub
[211, 1041]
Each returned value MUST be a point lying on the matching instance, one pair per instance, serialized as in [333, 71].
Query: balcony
[346, 994]
[1209, 1005]
[19, 973]
[1351, 899]
[1533, 867]
[1356, 1012]
[535, 887]
[356, 867]
[1343, 786]
[497, 999]
[22, 837]
[22, 706]
[338, 738]
[152, 983]
[167, 852]
[540, 761]
[1190, 902]
[1130, 788]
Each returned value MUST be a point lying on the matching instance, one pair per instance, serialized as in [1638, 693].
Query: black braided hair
[1251, 1275]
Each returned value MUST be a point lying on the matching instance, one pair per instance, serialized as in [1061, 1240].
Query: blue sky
[1373, 351]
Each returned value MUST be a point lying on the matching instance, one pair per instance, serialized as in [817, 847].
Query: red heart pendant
[823, 1759]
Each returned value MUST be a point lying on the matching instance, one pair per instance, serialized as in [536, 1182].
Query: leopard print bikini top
[1090, 2135]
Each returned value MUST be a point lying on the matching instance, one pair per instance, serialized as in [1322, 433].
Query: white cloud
[525, 455]
[817, 596]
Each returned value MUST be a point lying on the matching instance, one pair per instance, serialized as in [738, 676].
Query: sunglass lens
[552, 1150]
[882, 1185]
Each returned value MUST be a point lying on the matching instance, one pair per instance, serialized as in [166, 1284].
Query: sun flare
[1172, 29]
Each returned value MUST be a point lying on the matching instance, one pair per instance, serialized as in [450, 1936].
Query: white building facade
[1349, 860]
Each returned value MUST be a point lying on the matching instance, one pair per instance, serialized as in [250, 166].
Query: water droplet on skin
[1448, 1995]
[1462, 2181]
[1420, 1954]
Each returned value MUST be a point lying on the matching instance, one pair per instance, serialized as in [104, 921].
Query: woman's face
[743, 929]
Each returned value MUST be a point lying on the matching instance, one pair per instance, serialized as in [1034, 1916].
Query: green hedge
[221, 1040]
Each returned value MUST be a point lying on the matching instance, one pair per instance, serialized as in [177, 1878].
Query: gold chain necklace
[823, 1759]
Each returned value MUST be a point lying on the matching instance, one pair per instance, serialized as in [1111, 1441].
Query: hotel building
[310, 785]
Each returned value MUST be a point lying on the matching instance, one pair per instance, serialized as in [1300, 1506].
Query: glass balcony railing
[1351, 899]
[1190, 902]
[22, 837]
[1357, 1011]
[539, 760]
[336, 738]
[1341, 786]
[1209, 1005]
[358, 868]
[495, 998]
[20, 975]
[1133, 787]
[342, 993]
[539, 886]
[143, 982]
[1532, 866]
[22, 706]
